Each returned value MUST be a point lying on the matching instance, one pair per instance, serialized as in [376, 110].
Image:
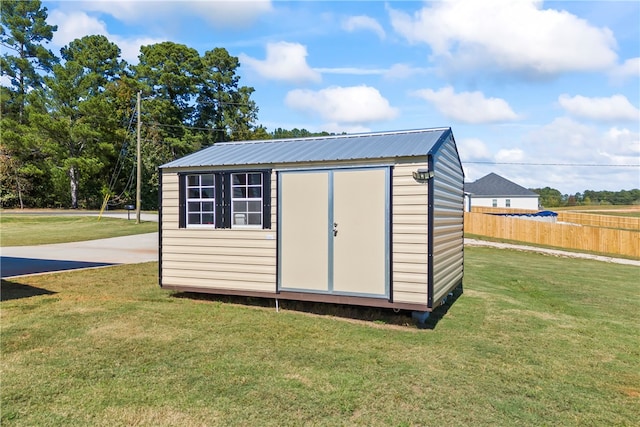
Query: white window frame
[507, 203]
[494, 203]
[247, 187]
[200, 200]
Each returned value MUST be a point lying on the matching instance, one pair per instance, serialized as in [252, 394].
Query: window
[507, 203]
[225, 199]
[246, 199]
[200, 199]
[494, 203]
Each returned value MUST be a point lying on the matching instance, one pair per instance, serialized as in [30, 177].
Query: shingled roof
[494, 185]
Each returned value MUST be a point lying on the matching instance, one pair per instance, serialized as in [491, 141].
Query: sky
[544, 93]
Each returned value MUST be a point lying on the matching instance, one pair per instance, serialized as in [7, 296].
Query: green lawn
[612, 210]
[27, 230]
[534, 340]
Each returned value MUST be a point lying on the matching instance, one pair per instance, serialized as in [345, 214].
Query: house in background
[498, 192]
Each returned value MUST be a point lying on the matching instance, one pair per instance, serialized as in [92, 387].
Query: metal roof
[495, 185]
[317, 149]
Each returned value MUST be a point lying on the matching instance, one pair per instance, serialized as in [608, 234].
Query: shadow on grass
[384, 316]
[13, 290]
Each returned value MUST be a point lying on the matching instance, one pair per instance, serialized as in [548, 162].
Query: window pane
[207, 180]
[240, 192]
[207, 218]
[254, 207]
[239, 219]
[194, 207]
[194, 193]
[255, 179]
[194, 218]
[255, 219]
[193, 180]
[239, 206]
[255, 192]
[207, 193]
[239, 178]
[207, 207]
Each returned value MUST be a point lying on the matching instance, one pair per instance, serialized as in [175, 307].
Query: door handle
[335, 229]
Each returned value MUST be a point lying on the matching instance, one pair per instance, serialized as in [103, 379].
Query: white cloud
[396, 72]
[616, 107]
[5, 80]
[629, 69]
[346, 128]
[362, 22]
[221, 14]
[285, 61]
[565, 140]
[403, 71]
[352, 71]
[622, 145]
[473, 149]
[511, 35]
[343, 105]
[468, 107]
[76, 25]
[509, 155]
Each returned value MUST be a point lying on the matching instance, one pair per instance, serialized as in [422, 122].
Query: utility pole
[139, 164]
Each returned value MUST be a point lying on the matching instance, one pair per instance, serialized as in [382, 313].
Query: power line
[183, 126]
[599, 165]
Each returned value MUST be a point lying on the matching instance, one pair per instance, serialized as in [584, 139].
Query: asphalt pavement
[26, 260]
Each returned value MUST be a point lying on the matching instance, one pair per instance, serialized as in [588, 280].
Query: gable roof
[495, 185]
[377, 145]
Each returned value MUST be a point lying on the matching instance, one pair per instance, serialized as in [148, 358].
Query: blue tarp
[531, 215]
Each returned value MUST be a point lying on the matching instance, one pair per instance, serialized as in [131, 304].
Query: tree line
[550, 197]
[68, 120]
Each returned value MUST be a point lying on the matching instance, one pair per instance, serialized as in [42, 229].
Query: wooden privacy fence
[595, 220]
[581, 237]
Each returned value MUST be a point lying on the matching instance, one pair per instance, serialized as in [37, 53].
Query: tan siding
[215, 259]
[214, 274]
[171, 247]
[170, 201]
[216, 268]
[409, 235]
[410, 297]
[448, 246]
[242, 285]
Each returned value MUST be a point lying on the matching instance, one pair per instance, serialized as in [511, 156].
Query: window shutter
[266, 199]
[219, 208]
[182, 201]
[225, 213]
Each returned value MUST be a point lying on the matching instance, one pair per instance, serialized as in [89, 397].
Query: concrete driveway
[26, 260]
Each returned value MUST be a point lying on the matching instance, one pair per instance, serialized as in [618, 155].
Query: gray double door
[333, 231]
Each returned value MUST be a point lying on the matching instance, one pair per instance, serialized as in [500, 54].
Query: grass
[632, 214]
[613, 210]
[27, 230]
[538, 245]
[534, 340]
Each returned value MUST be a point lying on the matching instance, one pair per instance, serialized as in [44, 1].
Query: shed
[372, 219]
[492, 190]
